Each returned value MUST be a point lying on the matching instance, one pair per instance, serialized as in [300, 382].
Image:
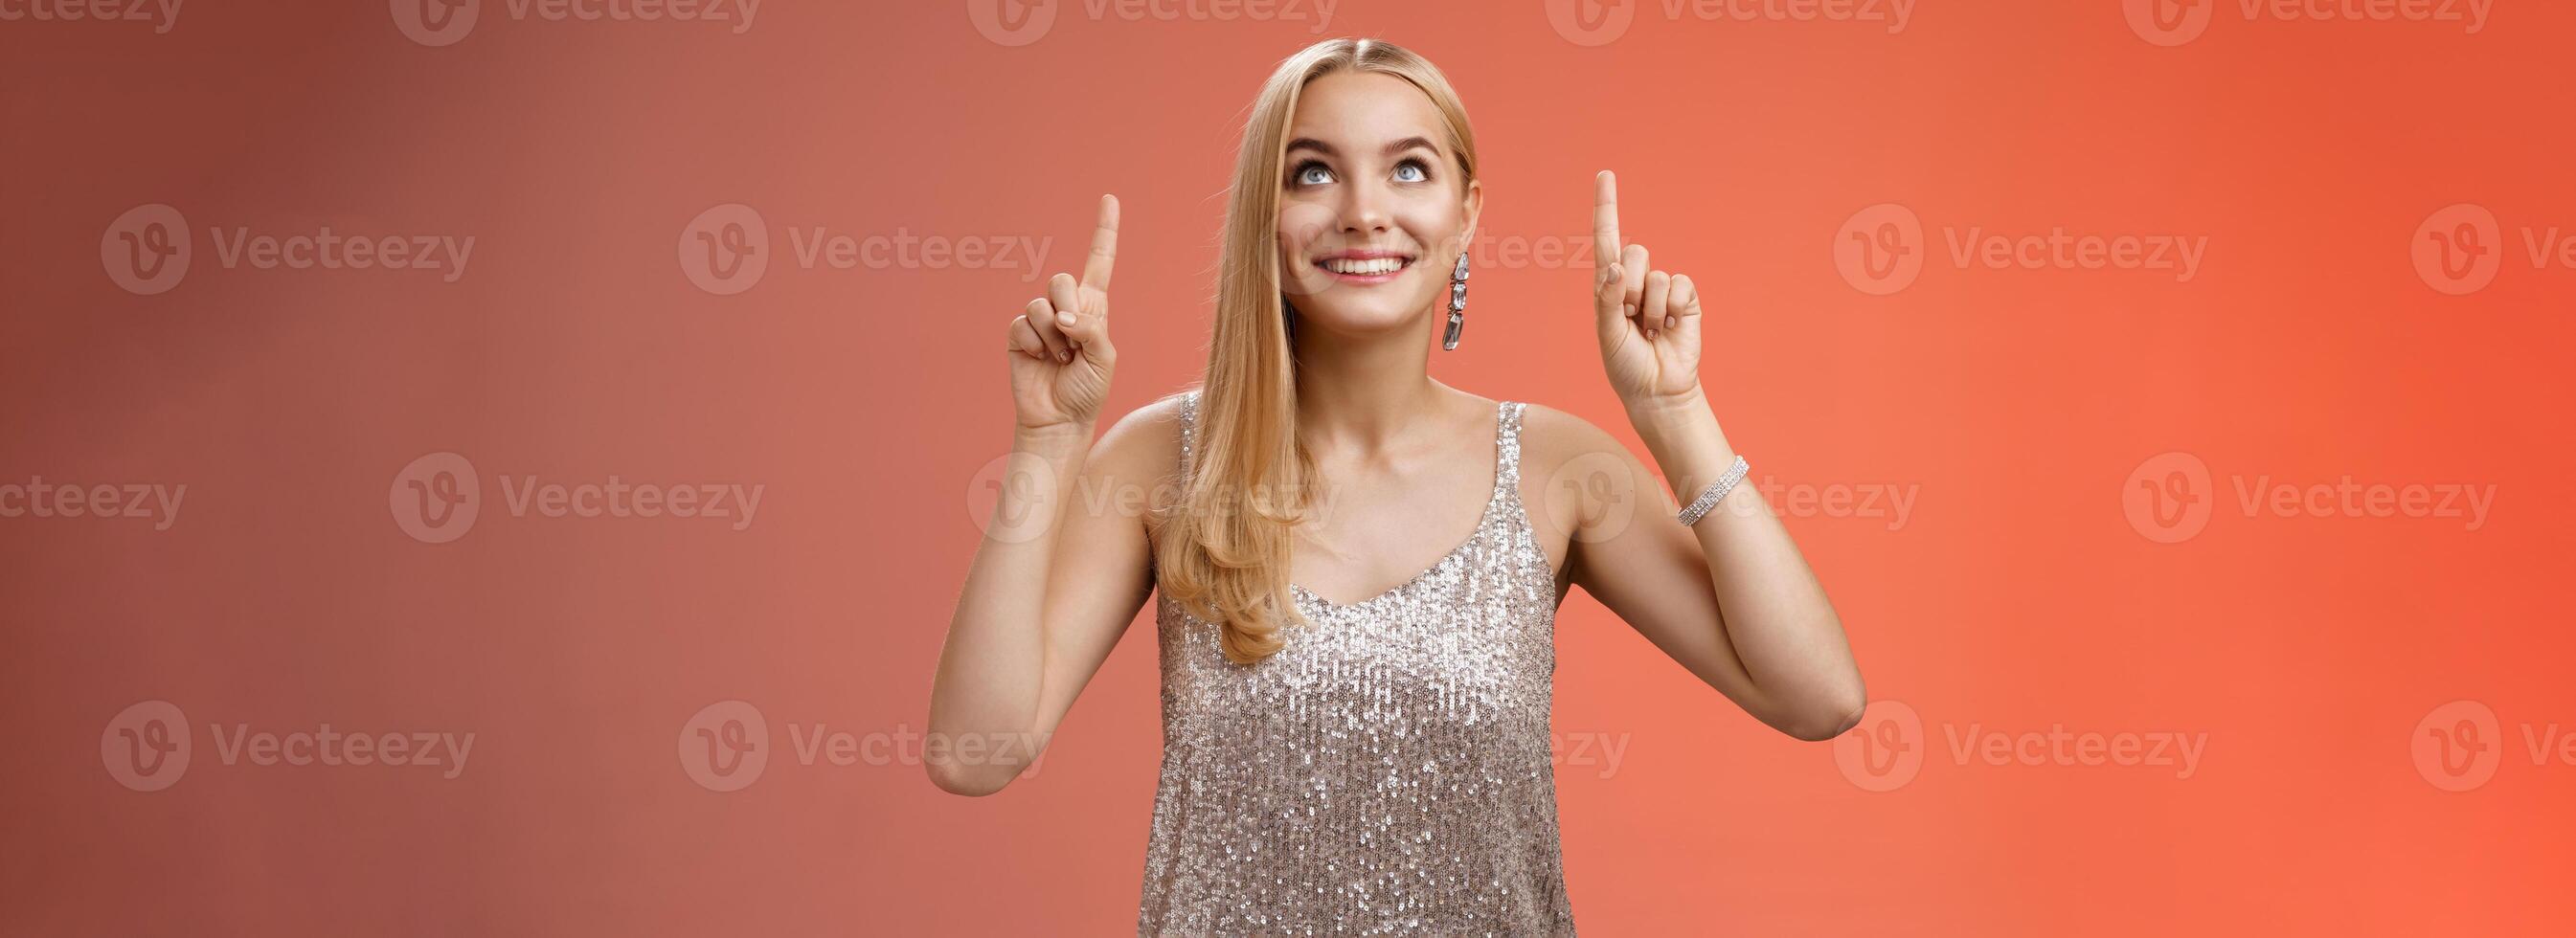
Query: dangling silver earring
[1457, 305]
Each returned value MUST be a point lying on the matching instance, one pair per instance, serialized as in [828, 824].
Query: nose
[1364, 209]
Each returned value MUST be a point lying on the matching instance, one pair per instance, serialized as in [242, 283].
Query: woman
[1355, 698]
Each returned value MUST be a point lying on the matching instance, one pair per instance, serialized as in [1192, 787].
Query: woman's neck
[1367, 394]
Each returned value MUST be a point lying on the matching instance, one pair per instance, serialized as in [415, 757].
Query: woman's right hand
[1059, 349]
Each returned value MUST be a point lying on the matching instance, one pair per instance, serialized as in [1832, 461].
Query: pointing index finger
[1605, 220]
[1104, 246]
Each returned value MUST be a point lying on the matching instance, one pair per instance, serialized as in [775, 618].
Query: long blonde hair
[1223, 548]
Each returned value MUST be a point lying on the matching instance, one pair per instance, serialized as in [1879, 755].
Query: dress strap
[1189, 427]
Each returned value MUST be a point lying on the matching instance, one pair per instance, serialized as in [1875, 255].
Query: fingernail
[1670, 322]
[1064, 319]
[1627, 309]
[1650, 334]
[1065, 356]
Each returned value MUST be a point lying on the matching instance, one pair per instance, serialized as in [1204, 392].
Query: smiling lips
[1365, 266]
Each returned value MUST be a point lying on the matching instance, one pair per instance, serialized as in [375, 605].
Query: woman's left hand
[1648, 320]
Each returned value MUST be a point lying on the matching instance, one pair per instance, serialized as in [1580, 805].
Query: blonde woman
[1359, 567]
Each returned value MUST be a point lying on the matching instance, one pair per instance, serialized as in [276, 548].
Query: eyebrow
[1399, 146]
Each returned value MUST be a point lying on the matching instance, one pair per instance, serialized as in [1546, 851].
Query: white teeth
[1367, 266]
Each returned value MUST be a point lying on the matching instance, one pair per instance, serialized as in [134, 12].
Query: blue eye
[1311, 173]
[1412, 171]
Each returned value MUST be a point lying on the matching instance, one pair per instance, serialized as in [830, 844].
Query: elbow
[1830, 718]
[970, 781]
[1823, 728]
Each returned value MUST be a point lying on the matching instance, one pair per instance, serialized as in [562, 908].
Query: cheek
[1437, 225]
[1301, 224]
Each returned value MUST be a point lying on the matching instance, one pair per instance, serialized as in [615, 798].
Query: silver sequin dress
[1387, 771]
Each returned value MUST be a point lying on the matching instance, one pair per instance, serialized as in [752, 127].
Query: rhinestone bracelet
[1716, 492]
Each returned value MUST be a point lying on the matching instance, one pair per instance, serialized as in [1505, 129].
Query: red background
[2017, 596]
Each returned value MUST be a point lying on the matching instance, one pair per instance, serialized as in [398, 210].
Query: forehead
[1358, 111]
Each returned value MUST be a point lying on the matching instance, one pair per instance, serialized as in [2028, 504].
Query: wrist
[1055, 439]
[1681, 433]
[1666, 413]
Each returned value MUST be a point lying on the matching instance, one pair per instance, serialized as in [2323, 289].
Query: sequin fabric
[1388, 771]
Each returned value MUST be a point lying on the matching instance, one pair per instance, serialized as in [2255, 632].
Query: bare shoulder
[1553, 442]
[1576, 475]
[1144, 447]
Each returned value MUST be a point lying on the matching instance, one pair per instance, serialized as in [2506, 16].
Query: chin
[1352, 322]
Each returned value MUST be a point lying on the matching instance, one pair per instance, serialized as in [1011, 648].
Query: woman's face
[1372, 213]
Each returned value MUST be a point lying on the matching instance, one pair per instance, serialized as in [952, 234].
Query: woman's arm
[1042, 609]
[1729, 597]
[1062, 569]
